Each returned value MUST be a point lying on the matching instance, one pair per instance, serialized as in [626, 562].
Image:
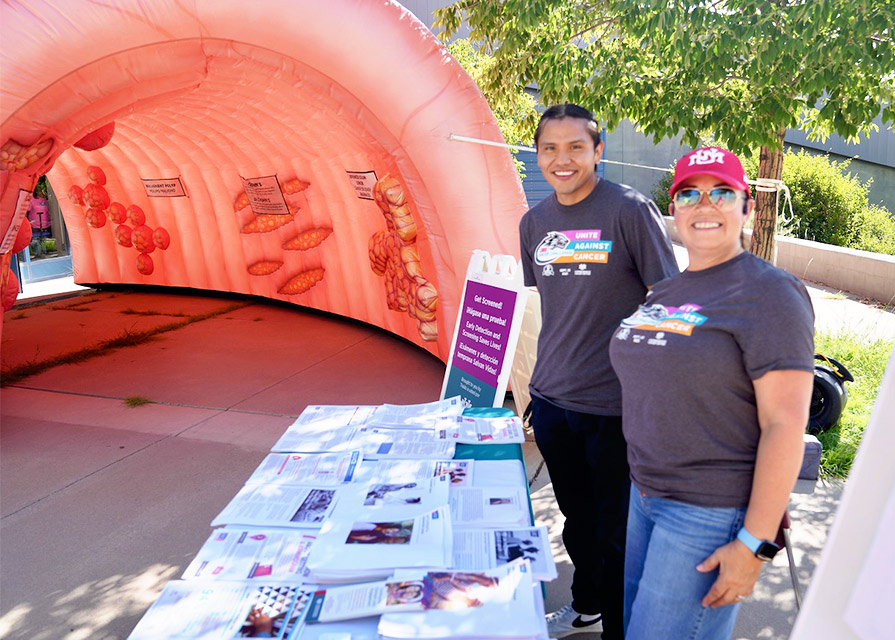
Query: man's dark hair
[560, 111]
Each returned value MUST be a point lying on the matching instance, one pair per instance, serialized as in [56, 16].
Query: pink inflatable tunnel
[292, 149]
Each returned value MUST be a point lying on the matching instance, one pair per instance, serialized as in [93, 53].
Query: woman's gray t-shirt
[686, 360]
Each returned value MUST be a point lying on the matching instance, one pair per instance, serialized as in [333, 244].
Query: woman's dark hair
[560, 111]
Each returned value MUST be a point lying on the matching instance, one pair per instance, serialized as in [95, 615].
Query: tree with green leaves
[741, 71]
[513, 109]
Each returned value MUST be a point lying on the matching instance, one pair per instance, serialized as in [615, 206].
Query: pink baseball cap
[710, 161]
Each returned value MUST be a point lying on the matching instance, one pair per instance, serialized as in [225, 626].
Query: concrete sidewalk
[103, 503]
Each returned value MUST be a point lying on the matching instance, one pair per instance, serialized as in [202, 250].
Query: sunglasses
[719, 197]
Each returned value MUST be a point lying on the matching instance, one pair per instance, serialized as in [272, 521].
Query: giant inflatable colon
[293, 149]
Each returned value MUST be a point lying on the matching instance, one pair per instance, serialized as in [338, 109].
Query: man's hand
[739, 570]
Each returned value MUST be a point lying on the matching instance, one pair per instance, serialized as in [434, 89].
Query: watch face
[766, 551]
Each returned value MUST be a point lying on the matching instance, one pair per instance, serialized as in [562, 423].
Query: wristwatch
[763, 550]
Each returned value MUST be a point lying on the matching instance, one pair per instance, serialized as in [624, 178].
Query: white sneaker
[566, 621]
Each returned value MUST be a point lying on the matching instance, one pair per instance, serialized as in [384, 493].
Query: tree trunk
[770, 165]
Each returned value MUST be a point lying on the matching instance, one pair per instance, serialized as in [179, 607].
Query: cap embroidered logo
[707, 156]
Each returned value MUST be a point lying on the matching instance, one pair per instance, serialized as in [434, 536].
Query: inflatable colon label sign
[487, 331]
[164, 188]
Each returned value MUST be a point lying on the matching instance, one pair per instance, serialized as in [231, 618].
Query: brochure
[236, 553]
[477, 549]
[349, 550]
[397, 416]
[386, 471]
[469, 430]
[497, 603]
[320, 420]
[367, 599]
[374, 442]
[489, 507]
[279, 506]
[393, 500]
[307, 468]
[197, 609]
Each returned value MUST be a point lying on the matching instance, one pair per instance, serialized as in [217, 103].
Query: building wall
[873, 157]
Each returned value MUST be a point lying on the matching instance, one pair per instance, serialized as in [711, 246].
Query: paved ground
[102, 503]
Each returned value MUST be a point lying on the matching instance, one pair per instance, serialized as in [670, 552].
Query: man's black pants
[587, 461]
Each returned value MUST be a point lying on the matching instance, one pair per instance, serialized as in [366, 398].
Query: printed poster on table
[487, 331]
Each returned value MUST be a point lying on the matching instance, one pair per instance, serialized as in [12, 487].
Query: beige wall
[865, 274]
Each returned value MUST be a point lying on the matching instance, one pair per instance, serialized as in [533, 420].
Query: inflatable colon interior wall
[293, 149]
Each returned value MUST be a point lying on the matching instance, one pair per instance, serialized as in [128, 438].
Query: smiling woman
[715, 406]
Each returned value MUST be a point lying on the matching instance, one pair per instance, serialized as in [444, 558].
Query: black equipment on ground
[829, 395]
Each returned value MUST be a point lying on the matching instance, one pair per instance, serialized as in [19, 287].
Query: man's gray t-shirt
[687, 359]
[591, 263]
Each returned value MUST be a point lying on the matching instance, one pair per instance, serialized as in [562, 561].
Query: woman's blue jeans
[663, 589]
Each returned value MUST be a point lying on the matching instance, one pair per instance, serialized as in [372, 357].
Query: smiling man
[592, 249]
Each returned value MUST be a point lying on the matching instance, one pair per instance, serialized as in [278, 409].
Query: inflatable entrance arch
[292, 149]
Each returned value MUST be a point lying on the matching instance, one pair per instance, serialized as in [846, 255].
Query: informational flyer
[367, 599]
[487, 331]
[348, 550]
[477, 549]
[197, 610]
[469, 430]
[415, 416]
[490, 507]
[497, 603]
[307, 468]
[242, 553]
[279, 506]
[393, 500]
[385, 471]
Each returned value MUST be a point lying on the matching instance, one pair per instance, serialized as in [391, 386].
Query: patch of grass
[149, 312]
[74, 306]
[137, 401]
[866, 360]
[126, 339]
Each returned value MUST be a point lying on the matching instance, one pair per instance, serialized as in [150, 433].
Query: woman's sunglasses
[719, 197]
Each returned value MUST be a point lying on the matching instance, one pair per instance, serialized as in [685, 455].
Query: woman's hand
[739, 570]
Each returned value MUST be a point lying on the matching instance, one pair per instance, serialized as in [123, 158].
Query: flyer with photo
[279, 506]
[366, 599]
[489, 548]
[197, 610]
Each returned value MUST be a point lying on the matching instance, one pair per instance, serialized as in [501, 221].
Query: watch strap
[762, 549]
[752, 543]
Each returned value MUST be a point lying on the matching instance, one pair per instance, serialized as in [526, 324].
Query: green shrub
[660, 191]
[873, 229]
[825, 199]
